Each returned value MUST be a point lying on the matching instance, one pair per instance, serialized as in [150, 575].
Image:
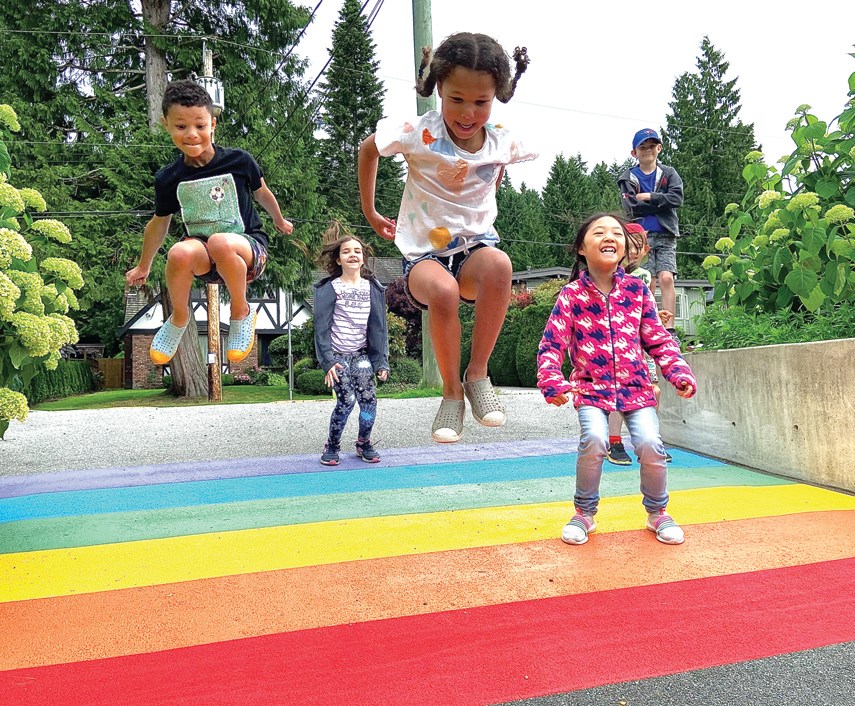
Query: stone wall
[784, 409]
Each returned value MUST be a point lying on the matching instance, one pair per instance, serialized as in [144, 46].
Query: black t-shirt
[239, 163]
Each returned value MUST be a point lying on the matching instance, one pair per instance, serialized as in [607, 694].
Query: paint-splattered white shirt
[449, 201]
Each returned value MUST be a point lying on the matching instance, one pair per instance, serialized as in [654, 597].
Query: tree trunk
[155, 16]
[189, 374]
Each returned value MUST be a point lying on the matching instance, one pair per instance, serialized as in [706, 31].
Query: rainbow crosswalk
[281, 581]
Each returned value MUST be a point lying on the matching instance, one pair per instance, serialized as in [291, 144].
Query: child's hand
[283, 226]
[384, 227]
[685, 389]
[559, 400]
[645, 196]
[137, 276]
[666, 317]
[383, 375]
[331, 377]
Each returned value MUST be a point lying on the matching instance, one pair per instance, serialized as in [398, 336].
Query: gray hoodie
[667, 195]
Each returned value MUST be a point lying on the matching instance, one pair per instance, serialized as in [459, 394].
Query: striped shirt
[350, 318]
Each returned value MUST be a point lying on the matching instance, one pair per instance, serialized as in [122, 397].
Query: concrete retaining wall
[785, 409]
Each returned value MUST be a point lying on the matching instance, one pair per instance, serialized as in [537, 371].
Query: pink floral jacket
[606, 337]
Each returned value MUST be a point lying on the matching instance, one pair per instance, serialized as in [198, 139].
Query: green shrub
[71, 377]
[397, 330]
[723, 327]
[278, 351]
[228, 379]
[503, 363]
[466, 327]
[303, 340]
[302, 365]
[532, 321]
[37, 290]
[405, 371]
[312, 383]
[167, 381]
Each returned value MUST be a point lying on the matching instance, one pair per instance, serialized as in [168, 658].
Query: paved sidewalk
[134, 436]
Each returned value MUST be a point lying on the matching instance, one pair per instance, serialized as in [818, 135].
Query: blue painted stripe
[230, 490]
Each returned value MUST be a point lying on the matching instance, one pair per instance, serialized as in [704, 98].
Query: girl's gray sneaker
[330, 455]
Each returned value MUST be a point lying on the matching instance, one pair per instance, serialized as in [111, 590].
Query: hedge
[312, 383]
[503, 362]
[71, 377]
[405, 371]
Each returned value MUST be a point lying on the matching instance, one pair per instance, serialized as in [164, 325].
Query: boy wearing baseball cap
[650, 194]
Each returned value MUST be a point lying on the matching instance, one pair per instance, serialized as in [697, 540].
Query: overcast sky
[602, 70]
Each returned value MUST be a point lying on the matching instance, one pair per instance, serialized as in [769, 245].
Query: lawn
[232, 394]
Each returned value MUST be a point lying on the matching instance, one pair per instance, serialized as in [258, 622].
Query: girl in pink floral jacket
[605, 321]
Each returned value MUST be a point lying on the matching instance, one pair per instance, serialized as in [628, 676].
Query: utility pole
[423, 37]
[215, 381]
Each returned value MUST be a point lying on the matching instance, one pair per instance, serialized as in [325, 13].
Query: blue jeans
[643, 425]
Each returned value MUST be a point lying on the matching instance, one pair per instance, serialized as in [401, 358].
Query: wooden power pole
[215, 381]
[423, 37]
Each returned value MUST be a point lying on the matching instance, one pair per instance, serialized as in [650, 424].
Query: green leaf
[782, 257]
[852, 82]
[840, 247]
[815, 130]
[17, 355]
[813, 300]
[801, 281]
[813, 239]
[841, 279]
[827, 188]
[784, 298]
[849, 197]
[744, 290]
[754, 172]
[827, 286]
[5, 160]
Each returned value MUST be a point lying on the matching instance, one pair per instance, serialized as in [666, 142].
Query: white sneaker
[667, 530]
[577, 530]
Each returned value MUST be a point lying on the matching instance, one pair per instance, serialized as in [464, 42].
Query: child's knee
[222, 245]
[182, 257]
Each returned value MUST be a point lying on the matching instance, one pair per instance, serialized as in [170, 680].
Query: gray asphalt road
[58, 441]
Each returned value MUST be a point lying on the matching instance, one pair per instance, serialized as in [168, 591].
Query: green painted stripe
[85, 530]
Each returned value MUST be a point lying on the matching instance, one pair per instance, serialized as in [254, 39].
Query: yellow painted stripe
[107, 567]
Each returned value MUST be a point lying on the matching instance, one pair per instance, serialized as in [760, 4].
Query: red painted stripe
[481, 655]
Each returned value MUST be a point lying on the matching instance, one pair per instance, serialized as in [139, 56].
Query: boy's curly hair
[471, 51]
[334, 237]
[187, 93]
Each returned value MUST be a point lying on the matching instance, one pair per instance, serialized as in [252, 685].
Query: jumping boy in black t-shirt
[212, 187]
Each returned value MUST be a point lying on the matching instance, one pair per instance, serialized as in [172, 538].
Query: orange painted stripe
[146, 619]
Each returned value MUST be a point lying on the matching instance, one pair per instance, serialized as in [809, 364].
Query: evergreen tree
[521, 226]
[606, 195]
[706, 142]
[568, 199]
[352, 100]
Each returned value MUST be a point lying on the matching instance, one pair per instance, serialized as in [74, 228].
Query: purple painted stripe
[130, 476]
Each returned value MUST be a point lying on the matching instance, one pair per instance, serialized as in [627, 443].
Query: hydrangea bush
[36, 287]
[792, 238]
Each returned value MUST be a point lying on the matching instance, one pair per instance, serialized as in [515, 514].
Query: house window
[681, 304]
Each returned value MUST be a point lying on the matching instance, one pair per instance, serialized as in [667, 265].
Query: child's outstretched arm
[268, 202]
[660, 345]
[369, 158]
[153, 237]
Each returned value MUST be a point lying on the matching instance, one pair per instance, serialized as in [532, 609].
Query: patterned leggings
[355, 384]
